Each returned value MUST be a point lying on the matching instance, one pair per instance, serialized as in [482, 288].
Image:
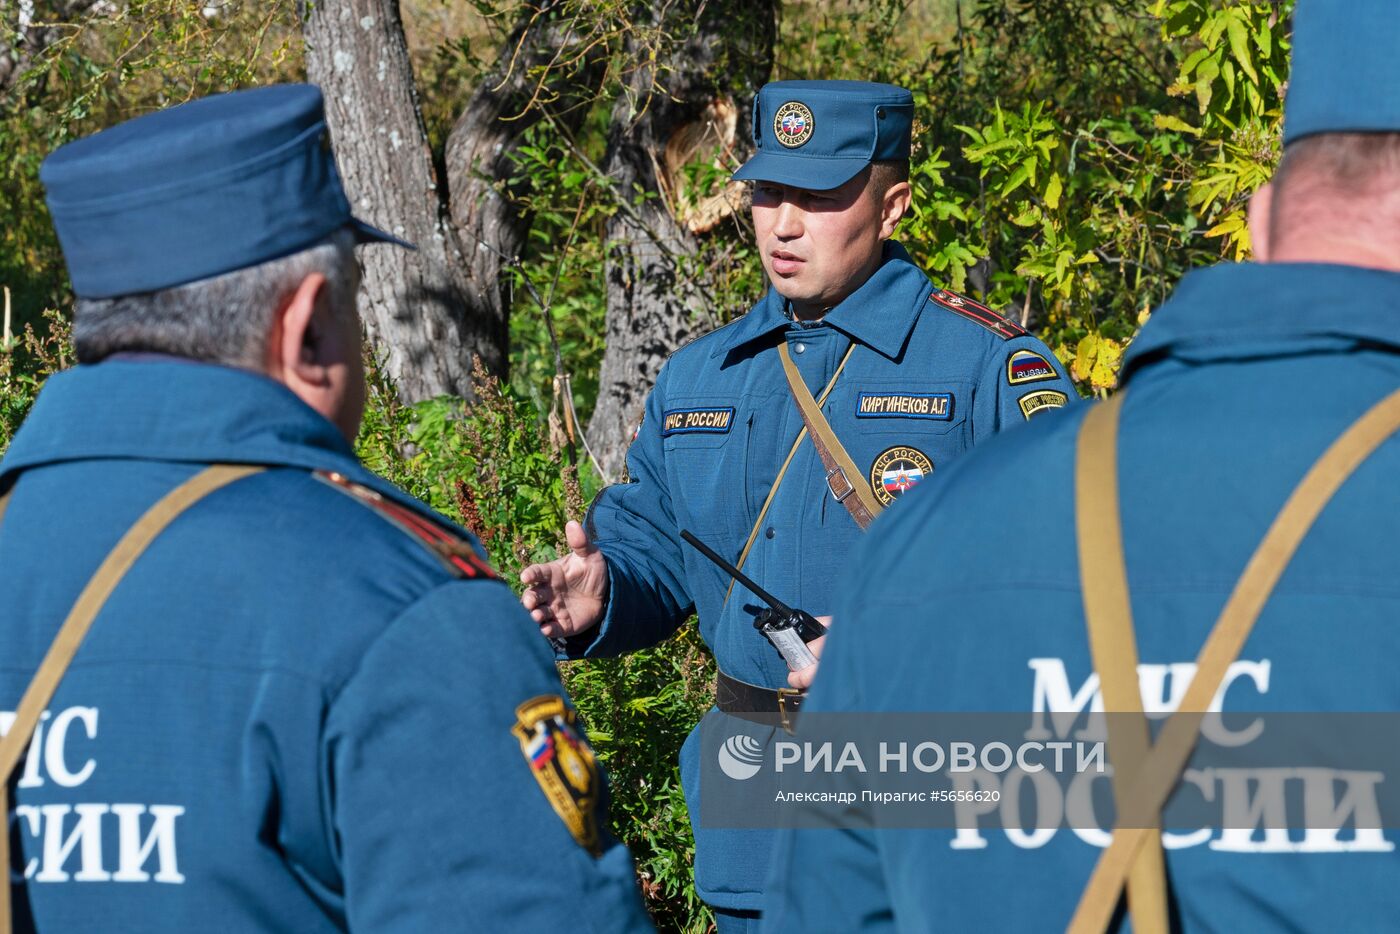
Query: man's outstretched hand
[568, 595]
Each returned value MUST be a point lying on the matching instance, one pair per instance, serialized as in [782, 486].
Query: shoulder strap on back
[1139, 811]
[75, 628]
[455, 553]
[1108, 611]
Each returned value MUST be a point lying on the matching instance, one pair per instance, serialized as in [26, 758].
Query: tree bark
[656, 294]
[541, 72]
[420, 307]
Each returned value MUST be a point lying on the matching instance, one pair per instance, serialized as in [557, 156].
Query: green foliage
[1233, 58]
[639, 710]
[26, 361]
[127, 59]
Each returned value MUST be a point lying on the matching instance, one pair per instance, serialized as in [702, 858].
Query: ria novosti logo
[741, 757]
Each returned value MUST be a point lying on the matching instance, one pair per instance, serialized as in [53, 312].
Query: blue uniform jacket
[289, 716]
[931, 374]
[1234, 388]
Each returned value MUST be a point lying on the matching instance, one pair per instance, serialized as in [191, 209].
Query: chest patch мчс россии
[715, 421]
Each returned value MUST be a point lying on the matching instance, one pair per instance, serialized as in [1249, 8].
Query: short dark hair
[887, 173]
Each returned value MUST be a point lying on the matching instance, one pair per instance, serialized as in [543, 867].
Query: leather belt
[736, 697]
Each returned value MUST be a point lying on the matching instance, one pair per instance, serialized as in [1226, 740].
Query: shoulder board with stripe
[458, 557]
[978, 313]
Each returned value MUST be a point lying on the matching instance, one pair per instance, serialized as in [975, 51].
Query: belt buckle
[785, 718]
[831, 484]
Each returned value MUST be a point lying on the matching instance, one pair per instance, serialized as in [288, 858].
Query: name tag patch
[1033, 403]
[1027, 366]
[937, 406]
[689, 421]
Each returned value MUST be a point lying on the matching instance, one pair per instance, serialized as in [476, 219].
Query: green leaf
[1192, 60]
[1239, 47]
[1205, 77]
[1017, 179]
[975, 134]
[1168, 122]
[1053, 188]
[1027, 218]
[1215, 26]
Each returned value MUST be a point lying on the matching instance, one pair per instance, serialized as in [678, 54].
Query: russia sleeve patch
[563, 764]
[1027, 366]
[977, 313]
[1034, 403]
[455, 553]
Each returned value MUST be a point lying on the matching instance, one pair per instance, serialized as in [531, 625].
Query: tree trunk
[486, 209]
[656, 297]
[420, 307]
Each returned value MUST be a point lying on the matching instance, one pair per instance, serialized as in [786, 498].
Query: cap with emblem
[1345, 74]
[820, 134]
[197, 190]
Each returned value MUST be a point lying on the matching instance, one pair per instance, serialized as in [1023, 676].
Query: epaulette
[1002, 327]
[455, 554]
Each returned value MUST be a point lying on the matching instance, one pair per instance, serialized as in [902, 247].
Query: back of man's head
[1335, 198]
[1336, 195]
[223, 319]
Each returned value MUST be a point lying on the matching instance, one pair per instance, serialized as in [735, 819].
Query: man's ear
[1261, 215]
[296, 339]
[892, 208]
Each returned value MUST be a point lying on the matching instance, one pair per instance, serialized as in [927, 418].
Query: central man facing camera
[778, 438]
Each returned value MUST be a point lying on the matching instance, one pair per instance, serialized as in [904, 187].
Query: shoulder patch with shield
[562, 763]
[1027, 366]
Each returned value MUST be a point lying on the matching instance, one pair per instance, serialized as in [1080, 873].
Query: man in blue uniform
[899, 377]
[308, 704]
[1230, 395]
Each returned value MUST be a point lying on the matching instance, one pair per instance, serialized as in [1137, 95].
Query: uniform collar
[1252, 310]
[879, 314]
[174, 410]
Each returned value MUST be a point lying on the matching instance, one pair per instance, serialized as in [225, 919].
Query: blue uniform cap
[819, 134]
[1346, 69]
[210, 186]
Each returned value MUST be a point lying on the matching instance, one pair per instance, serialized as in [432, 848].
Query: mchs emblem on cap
[792, 124]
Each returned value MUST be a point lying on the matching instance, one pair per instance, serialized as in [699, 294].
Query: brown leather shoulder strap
[782, 472]
[842, 475]
[75, 628]
[1159, 773]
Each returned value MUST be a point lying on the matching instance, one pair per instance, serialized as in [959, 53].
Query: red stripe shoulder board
[978, 313]
[453, 551]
